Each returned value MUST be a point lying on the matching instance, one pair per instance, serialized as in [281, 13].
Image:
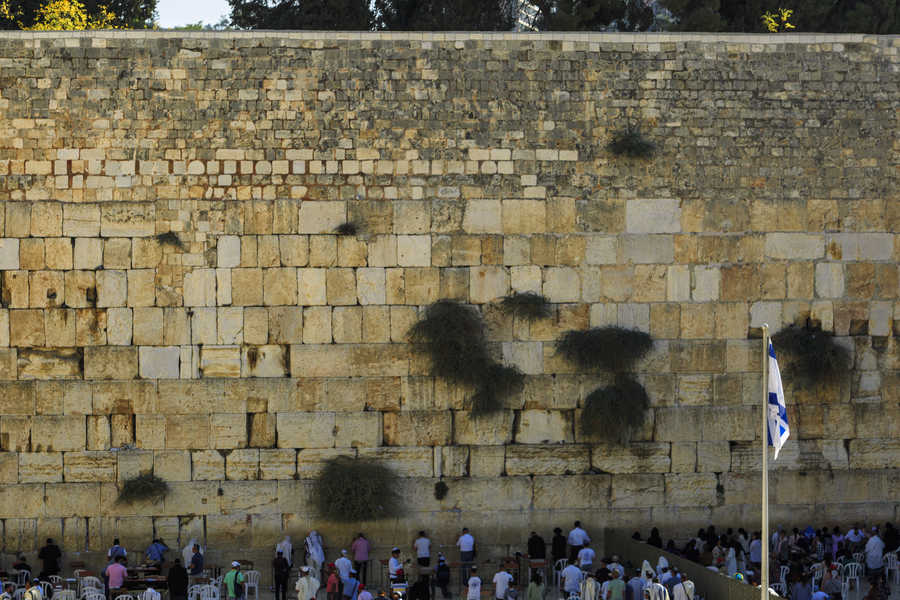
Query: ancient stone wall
[250, 342]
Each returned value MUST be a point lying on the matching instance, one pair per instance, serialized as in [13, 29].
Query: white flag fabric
[777, 419]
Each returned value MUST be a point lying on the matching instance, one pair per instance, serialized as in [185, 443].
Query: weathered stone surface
[653, 216]
[418, 428]
[48, 363]
[406, 462]
[207, 465]
[547, 459]
[544, 426]
[110, 362]
[89, 466]
[647, 457]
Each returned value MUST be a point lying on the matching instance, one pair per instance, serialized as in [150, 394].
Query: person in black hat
[558, 545]
[281, 569]
[537, 548]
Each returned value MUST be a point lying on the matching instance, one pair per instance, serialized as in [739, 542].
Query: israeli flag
[777, 419]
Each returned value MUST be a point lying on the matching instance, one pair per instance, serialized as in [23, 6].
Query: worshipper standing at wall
[586, 558]
[394, 564]
[344, 566]
[557, 545]
[188, 552]
[116, 550]
[536, 589]
[473, 585]
[287, 549]
[281, 572]
[654, 539]
[50, 554]
[178, 581]
[360, 549]
[156, 551]
[197, 559]
[874, 552]
[466, 545]
[422, 546]
[315, 556]
[307, 586]
[577, 538]
[537, 549]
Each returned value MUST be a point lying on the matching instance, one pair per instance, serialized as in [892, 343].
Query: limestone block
[26, 328]
[40, 467]
[278, 464]
[321, 217]
[311, 460]
[172, 465]
[47, 289]
[88, 254]
[200, 287]
[15, 289]
[488, 494]
[116, 253]
[414, 250]
[406, 462]
[242, 465]
[483, 216]
[881, 318]
[119, 326]
[160, 362]
[207, 465]
[646, 249]
[713, 457]
[110, 362]
[520, 216]
[340, 286]
[567, 492]
[317, 322]
[46, 219]
[81, 290]
[195, 499]
[99, 433]
[320, 360]
[829, 280]
[264, 361]
[58, 253]
[638, 490]
[662, 215]
[526, 279]
[46, 364]
[544, 426]
[322, 251]
[247, 287]
[347, 324]
[370, 285]
[411, 217]
[256, 323]
[543, 459]
[636, 457]
[229, 325]
[860, 246]
[89, 466]
[4, 328]
[678, 424]
[418, 428]
[487, 284]
[149, 326]
[794, 246]
[294, 250]
[491, 430]
[204, 326]
[8, 364]
[9, 467]
[81, 220]
[312, 287]
[454, 461]
[766, 313]
[141, 287]
[684, 457]
[562, 284]
[306, 430]
[186, 432]
[57, 433]
[528, 357]
[358, 430]
[133, 463]
[228, 431]
[121, 430]
[423, 285]
[220, 361]
[280, 287]
[9, 254]
[873, 453]
[487, 461]
[127, 219]
[228, 251]
[150, 431]
[112, 288]
[379, 359]
[31, 254]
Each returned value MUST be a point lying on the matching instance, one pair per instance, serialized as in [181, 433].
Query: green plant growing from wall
[351, 490]
[170, 239]
[451, 336]
[441, 490]
[143, 487]
[632, 143]
[527, 306]
[348, 228]
[808, 355]
[617, 411]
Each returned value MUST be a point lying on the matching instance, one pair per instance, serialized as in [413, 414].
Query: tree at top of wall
[446, 15]
[135, 14]
[352, 15]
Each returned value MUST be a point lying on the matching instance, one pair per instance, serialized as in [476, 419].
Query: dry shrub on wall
[169, 238]
[631, 142]
[348, 228]
[441, 490]
[451, 335]
[611, 349]
[528, 306]
[615, 412]
[143, 487]
[808, 355]
[351, 490]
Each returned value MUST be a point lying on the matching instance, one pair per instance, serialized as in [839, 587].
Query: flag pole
[764, 570]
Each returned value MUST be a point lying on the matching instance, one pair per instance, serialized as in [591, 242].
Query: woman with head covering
[647, 573]
[188, 552]
[663, 562]
[287, 549]
[315, 556]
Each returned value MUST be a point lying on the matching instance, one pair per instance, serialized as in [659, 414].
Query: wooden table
[215, 570]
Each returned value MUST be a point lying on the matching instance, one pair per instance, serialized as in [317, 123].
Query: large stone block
[311, 460]
[873, 453]
[90, 466]
[691, 489]
[418, 428]
[659, 215]
[220, 361]
[111, 362]
[572, 492]
[57, 433]
[207, 465]
[172, 465]
[638, 490]
[545, 459]
[406, 462]
[306, 430]
[40, 467]
[127, 219]
[544, 426]
[646, 457]
[278, 464]
[489, 430]
[48, 363]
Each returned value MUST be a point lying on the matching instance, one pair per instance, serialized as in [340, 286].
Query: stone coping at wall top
[596, 37]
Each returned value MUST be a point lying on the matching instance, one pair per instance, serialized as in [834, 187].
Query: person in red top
[333, 585]
[360, 549]
[117, 573]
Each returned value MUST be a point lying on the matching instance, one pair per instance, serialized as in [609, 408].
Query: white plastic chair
[574, 596]
[91, 583]
[558, 569]
[23, 576]
[17, 595]
[125, 597]
[251, 580]
[859, 557]
[779, 588]
[217, 582]
[194, 592]
[209, 592]
[890, 566]
[56, 579]
[45, 586]
[852, 571]
[95, 596]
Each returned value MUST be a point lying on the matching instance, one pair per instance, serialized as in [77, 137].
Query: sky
[182, 12]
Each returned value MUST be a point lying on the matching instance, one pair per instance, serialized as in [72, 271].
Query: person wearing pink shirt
[117, 573]
[360, 549]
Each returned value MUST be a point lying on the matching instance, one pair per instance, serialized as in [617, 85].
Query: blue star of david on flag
[778, 430]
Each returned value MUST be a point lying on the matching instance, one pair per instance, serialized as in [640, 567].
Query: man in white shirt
[571, 578]
[466, 545]
[664, 576]
[394, 564]
[855, 536]
[502, 581]
[422, 546]
[343, 565]
[683, 590]
[875, 551]
[473, 587]
[577, 538]
[615, 566]
[586, 558]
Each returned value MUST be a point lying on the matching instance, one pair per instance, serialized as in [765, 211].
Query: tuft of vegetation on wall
[528, 306]
[441, 490]
[169, 238]
[632, 143]
[348, 228]
[609, 349]
[809, 355]
[142, 488]
[351, 490]
[615, 412]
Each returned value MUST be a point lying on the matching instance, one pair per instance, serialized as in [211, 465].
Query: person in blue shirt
[155, 553]
[196, 565]
[351, 586]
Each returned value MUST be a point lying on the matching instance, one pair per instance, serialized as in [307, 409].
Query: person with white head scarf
[188, 552]
[663, 562]
[287, 549]
[647, 573]
[315, 556]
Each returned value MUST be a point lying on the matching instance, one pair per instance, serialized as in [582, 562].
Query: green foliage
[169, 238]
[809, 355]
[877, 17]
[143, 487]
[451, 336]
[348, 228]
[630, 142]
[694, 15]
[351, 490]
[594, 15]
[528, 306]
[329, 15]
[446, 15]
[778, 23]
[615, 412]
[440, 490]
[129, 14]
[611, 349]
